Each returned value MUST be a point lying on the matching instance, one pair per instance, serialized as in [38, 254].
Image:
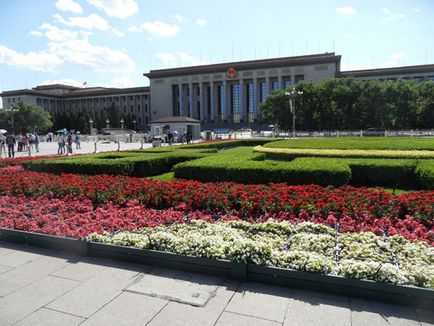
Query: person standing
[36, 142]
[20, 142]
[69, 143]
[61, 143]
[10, 142]
[2, 145]
[77, 140]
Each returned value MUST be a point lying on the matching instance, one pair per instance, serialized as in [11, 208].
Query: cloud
[179, 18]
[157, 29]
[201, 22]
[180, 58]
[56, 34]
[117, 32]
[346, 11]
[396, 59]
[69, 5]
[391, 16]
[116, 8]
[416, 9]
[72, 52]
[36, 33]
[92, 21]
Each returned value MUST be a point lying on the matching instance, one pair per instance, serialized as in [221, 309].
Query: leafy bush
[139, 164]
[425, 172]
[231, 143]
[371, 143]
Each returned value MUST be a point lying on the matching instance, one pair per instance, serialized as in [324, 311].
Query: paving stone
[232, 319]
[93, 294]
[260, 300]
[4, 269]
[127, 309]
[18, 258]
[26, 300]
[79, 271]
[28, 273]
[312, 310]
[184, 287]
[48, 317]
[180, 314]
[375, 313]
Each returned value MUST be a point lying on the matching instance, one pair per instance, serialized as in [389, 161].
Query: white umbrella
[3, 131]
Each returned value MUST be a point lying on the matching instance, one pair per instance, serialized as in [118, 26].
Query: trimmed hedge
[231, 143]
[241, 165]
[138, 164]
[291, 153]
[379, 143]
[244, 166]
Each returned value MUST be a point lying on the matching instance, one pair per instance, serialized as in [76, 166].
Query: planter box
[404, 295]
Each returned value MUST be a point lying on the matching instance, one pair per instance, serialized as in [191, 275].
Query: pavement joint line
[251, 316]
[287, 308]
[159, 311]
[114, 298]
[227, 303]
[63, 312]
[65, 278]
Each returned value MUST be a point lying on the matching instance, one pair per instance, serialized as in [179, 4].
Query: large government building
[219, 95]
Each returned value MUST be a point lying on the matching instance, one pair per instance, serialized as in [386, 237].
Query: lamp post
[91, 125]
[12, 110]
[122, 123]
[292, 95]
[107, 123]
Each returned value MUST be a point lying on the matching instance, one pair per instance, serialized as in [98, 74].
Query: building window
[146, 107]
[222, 97]
[131, 108]
[287, 83]
[138, 97]
[236, 102]
[299, 78]
[13, 100]
[138, 107]
[264, 91]
[251, 100]
[275, 85]
[131, 98]
[146, 97]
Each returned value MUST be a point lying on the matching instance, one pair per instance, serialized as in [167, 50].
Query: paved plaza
[47, 287]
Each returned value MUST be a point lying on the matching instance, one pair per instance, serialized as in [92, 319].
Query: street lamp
[122, 123]
[12, 110]
[107, 122]
[292, 95]
[91, 125]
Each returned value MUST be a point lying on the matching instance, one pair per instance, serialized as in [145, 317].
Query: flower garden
[344, 230]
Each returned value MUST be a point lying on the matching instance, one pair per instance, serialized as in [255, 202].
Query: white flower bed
[304, 247]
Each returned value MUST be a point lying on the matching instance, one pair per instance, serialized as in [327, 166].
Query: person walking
[2, 145]
[10, 142]
[61, 143]
[19, 140]
[77, 140]
[36, 142]
[69, 142]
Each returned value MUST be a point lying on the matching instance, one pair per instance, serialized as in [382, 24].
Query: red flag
[85, 83]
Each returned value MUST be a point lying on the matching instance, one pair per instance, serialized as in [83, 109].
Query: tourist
[77, 140]
[61, 143]
[36, 143]
[2, 145]
[10, 142]
[20, 142]
[170, 138]
[69, 142]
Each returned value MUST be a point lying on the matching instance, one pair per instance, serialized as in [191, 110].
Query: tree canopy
[350, 104]
[24, 118]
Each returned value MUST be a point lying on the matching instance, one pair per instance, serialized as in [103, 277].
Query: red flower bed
[18, 160]
[356, 209]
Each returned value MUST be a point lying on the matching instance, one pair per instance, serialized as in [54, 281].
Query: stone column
[212, 100]
[170, 101]
[181, 100]
[255, 98]
[202, 102]
[280, 81]
[190, 99]
[268, 86]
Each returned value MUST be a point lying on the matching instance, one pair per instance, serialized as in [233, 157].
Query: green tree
[26, 118]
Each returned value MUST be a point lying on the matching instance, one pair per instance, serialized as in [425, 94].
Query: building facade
[59, 98]
[232, 92]
[225, 95]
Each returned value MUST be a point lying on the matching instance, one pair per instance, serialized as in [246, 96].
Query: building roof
[76, 91]
[56, 86]
[388, 71]
[245, 65]
[174, 120]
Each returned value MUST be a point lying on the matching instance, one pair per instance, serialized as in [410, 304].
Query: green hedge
[425, 171]
[138, 164]
[241, 165]
[232, 143]
[379, 143]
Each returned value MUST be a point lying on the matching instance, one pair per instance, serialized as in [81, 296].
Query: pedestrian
[61, 143]
[77, 140]
[69, 142]
[10, 142]
[170, 138]
[2, 145]
[26, 142]
[19, 140]
[36, 143]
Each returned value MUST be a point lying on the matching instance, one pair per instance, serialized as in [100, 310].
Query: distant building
[58, 98]
[225, 95]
